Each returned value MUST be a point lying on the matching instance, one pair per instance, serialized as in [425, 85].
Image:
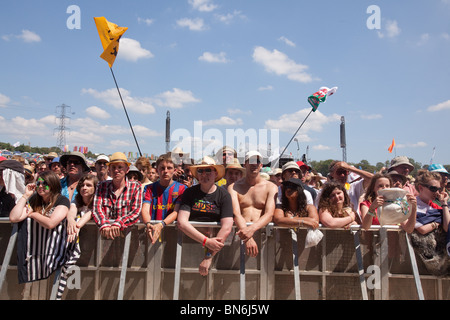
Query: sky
[236, 72]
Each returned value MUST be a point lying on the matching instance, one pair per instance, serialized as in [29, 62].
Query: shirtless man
[253, 201]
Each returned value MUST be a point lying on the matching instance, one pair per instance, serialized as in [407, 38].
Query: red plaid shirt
[124, 210]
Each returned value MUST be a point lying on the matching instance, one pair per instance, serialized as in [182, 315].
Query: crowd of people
[52, 201]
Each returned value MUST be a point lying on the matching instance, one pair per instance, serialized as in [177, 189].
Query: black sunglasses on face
[206, 170]
[432, 188]
[74, 162]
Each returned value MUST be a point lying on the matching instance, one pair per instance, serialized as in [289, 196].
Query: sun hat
[51, 155]
[290, 165]
[275, 171]
[206, 163]
[435, 167]
[118, 157]
[235, 165]
[395, 173]
[63, 159]
[295, 181]
[133, 169]
[399, 161]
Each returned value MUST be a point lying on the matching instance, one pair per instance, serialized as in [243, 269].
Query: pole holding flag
[314, 100]
[110, 34]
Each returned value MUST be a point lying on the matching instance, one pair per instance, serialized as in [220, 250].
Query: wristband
[371, 213]
[204, 241]
[163, 223]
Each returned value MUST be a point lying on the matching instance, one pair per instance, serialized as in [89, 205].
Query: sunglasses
[74, 162]
[205, 170]
[41, 183]
[432, 188]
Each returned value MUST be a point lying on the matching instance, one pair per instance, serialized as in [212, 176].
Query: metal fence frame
[155, 273]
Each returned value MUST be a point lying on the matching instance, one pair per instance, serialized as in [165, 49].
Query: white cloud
[371, 116]
[176, 98]
[229, 17]
[445, 36]
[4, 100]
[146, 21]
[111, 97]
[203, 5]
[440, 106]
[419, 144]
[196, 24]
[279, 63]
[223, 121]
[290, 122]
[321, 147]
[392, 30]
[423, 39]
[131, 50]
[97, 112]
[214, 57]
[239, 111]
[287, 41]
[266, 88]
[26, 35]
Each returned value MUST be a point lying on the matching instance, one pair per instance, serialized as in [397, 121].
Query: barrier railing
[132, 268]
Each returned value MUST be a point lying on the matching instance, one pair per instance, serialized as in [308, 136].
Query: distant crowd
[51, 200]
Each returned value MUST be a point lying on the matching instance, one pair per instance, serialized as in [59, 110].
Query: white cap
[102, 157]
[251, 154]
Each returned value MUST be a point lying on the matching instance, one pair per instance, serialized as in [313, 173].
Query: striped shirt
[162, 200]
[41, 251]
[124, 209]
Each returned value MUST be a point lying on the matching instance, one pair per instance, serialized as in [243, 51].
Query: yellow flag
[110, 35]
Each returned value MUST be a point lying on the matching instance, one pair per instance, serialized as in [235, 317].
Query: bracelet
[204, 242]
[444, 205]
[163, 223]
[371, 213]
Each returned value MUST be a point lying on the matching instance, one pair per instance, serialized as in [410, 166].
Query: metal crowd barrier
[133, 268]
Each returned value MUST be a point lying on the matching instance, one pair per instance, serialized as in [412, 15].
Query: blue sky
[242, 66]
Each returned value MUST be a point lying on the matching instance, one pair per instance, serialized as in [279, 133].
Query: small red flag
[391, 147]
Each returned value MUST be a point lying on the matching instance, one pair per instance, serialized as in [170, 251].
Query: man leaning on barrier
[253, 201]
[161, 199]
[118, 199]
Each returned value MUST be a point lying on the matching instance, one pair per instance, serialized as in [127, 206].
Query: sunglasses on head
[205, 170]
[432, 188]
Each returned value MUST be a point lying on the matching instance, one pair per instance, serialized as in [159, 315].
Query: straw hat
[51, 155]
[235, 165]
[118, 157]
[208, 162]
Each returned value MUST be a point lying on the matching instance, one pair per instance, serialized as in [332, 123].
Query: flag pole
[126, 113]
[278, 159]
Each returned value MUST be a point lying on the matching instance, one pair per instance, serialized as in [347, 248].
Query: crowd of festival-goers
[51, 200]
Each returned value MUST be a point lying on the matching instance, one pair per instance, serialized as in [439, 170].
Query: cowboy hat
[235, 165]
[118, 157]
[208, 162]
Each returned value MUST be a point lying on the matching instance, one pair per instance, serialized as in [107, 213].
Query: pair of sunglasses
[41, 183]
[205, 170]
[432, 188]
[74, 162]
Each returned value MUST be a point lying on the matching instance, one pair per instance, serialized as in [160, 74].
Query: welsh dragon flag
[320, 96]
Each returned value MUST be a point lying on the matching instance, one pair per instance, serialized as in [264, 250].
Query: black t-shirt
[207, 207]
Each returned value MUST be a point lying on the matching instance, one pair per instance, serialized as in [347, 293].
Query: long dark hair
[301, 199]
[78, 198]
[325, 203]
[370, 192]
[52, 181]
